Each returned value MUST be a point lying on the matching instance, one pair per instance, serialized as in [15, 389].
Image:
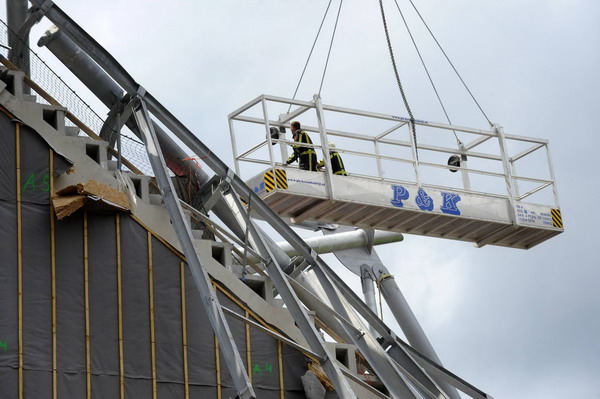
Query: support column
[408, 322]
[367, 282]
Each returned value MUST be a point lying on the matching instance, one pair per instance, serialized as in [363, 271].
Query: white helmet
[331, 144]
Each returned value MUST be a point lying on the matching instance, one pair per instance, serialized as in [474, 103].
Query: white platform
[403, 207]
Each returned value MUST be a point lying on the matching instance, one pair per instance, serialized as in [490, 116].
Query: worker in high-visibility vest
[306, 156]
[337, 165]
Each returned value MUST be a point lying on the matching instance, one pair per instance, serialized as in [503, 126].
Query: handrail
[487, 162]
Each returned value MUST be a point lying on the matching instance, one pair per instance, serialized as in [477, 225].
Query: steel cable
[310, 53]
[426, 69]
[410, 114]
[451, 64]
[331, 45]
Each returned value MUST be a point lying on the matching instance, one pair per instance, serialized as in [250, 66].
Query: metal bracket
[140, 92]
[211, 192]
[36, 13]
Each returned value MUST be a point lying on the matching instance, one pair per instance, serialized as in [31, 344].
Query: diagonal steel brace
[182, 229]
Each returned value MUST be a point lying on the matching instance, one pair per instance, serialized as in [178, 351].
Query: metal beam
[272, 333]
[184, 235]
[345, 329]
[281, 283]
[407, 320]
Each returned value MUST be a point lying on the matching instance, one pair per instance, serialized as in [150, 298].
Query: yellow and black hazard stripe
[556, 218]
[275, 180]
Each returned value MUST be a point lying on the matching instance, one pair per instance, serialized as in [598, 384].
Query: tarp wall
[123, 323]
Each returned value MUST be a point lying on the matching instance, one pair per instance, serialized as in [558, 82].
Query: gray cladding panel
[9, 378]
[136, 301]
[37, 294]
[102, 266]
[266, 393]
[138, 388]
[35, 167]
[8, 286]
[238, 331]
[171, 390]
[7, 159]
[167, 313]
[105, 386]
[37, 384]
[294, 366]
[200, 337]
[200, 391]
[69, 299]
[265, 360]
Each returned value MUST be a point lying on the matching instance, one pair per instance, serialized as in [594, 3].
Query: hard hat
[331, 144]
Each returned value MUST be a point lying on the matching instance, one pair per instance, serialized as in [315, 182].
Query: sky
[514, 323]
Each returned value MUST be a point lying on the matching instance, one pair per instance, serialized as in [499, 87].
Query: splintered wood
[320, 373]
[71, 198]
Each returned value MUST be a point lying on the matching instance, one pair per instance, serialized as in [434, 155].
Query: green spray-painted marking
[30, 183]
[257, 369]
[4, 345]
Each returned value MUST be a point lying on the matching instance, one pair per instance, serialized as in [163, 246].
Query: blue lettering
[424, 201]
[400, 193]
[449, 203]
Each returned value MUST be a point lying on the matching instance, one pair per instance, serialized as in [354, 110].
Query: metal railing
[488, 157]
[49, 88]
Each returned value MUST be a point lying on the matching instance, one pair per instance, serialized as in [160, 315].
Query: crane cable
[450, 62]
[310, 54]
[337, 18]
[426, 69]
[389, 43]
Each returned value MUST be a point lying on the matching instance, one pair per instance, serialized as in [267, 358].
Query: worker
[306, 156]
[337, 165]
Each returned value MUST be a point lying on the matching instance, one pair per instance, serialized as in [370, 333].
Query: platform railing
[488, 154]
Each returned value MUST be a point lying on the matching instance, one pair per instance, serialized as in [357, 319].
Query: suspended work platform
[399, 182]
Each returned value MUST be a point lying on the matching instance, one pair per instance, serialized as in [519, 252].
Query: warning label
[533, 215]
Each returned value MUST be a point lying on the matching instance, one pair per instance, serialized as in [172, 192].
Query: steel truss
[404, 371]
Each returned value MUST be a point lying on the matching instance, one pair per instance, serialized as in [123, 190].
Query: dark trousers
[308, 162]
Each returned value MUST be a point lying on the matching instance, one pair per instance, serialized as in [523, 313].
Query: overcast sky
[515, 323]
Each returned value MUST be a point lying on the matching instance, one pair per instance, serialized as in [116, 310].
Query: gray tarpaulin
[238, 331]
[265, 364]
[71, 354]
[167, 314]
[37, 316]
[7, 159]
[70, 337]
[294, 366]
[136, 309]
[8, 260]
[200, 340]
[104, 340]
[36, 264]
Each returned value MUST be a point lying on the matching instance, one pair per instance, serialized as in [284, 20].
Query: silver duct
[111, 95]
